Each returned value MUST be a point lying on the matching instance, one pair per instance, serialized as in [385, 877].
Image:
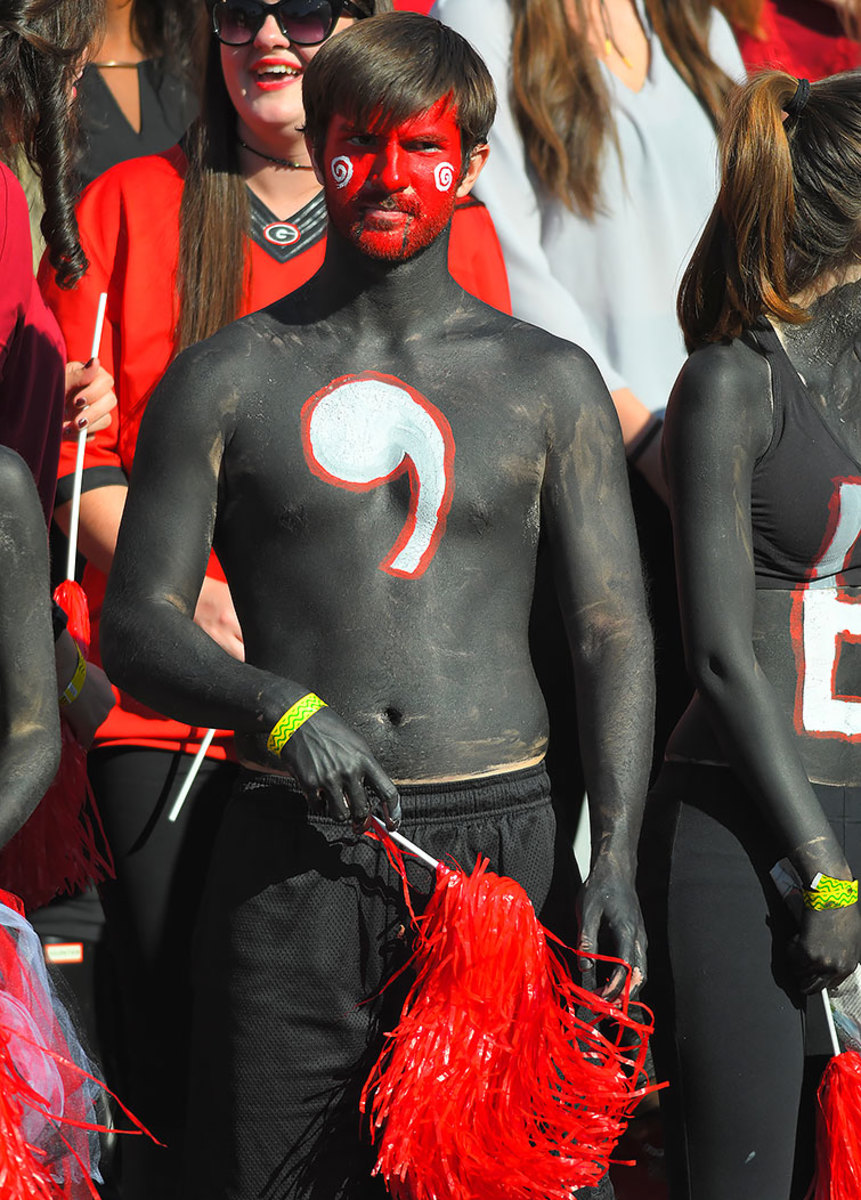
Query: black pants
[732, 1034]
[150, 910]
[301, 925]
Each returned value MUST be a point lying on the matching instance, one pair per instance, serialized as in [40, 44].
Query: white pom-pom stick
[406, 844]
[829, 1021]
[182, 794]
[82, 445]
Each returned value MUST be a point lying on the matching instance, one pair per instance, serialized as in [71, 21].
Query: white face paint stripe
[341, 170]
[363, 430]
[443, 176]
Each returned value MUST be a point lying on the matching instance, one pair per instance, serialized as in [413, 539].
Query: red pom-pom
[838, 1130]
[72, 598]
[497, 1084]
[48, 1094]
[61, 848]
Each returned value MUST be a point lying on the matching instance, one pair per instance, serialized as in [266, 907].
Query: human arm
[30, 738]
[718, 423]
[150, 644]
[586, 508]
[106, 231]
[86, 710]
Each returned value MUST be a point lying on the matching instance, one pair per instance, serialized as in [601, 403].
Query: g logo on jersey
[281, 233]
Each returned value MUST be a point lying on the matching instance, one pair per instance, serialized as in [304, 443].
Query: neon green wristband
[295, 716]
[827, 893]
[73, 689]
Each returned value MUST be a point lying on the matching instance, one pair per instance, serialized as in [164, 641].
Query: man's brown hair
[391, 67]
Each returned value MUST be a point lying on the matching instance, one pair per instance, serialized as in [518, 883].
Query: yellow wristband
[295, 716]
[77, 682]
[826, 893]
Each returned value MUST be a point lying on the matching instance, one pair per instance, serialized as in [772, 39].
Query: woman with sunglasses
[183, 243]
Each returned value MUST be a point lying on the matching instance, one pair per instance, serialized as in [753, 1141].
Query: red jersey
[802, 37]
[129, 225]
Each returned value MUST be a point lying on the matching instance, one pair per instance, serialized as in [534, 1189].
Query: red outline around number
[796, 625]
[407, 466]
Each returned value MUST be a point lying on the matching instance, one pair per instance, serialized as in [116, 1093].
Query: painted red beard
[391, 229]
[391, 192]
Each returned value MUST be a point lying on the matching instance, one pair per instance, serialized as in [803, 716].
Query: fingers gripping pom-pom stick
[838, 1123]
[70, 595]
[75, 513]
[497, 1083]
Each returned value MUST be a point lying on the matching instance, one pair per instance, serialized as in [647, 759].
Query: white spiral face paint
[363, 430]
[444, 176]
[341, 169]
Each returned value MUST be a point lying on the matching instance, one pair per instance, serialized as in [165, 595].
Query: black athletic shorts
[302, 923]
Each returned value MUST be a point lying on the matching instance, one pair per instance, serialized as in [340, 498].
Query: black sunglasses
[303, 22]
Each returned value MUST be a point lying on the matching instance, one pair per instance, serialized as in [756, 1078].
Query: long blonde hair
[561, 101]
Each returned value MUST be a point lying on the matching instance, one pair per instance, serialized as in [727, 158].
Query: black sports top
[796, 494]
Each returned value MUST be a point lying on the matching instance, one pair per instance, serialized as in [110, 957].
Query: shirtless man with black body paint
[373, 458]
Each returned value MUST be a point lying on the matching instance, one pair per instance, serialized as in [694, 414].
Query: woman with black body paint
[763, 455]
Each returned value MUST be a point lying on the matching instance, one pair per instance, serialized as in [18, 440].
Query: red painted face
[391, 192]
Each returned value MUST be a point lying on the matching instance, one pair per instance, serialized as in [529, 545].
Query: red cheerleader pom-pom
[498, 1083]
[49, 1095]
[838, 1130]
[72, 598]
[61, 848]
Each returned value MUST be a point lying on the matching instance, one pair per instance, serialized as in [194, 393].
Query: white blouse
[608, 284]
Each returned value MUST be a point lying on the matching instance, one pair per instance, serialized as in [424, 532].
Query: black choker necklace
[279, 162]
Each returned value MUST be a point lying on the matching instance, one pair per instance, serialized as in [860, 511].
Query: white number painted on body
[829, 619]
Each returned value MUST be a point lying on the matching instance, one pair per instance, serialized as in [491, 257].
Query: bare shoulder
[545, 362]
[723, 376]
[211, 377]
[723, 392]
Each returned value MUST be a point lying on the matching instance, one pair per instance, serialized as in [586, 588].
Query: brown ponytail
[788, 210]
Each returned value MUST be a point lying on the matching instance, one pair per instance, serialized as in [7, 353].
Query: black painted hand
[827, 948]
[330, 761]
[611, 923]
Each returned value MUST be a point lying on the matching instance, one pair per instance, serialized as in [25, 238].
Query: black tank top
[806, 490]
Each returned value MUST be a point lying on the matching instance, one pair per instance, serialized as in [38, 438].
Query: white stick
[82, 445]
[182, 795]
[829, 1020]
[405, 844]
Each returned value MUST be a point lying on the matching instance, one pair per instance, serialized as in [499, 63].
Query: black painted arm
[587, 510]
[30, 728]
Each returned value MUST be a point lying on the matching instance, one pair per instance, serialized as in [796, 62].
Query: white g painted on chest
[361, 431]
